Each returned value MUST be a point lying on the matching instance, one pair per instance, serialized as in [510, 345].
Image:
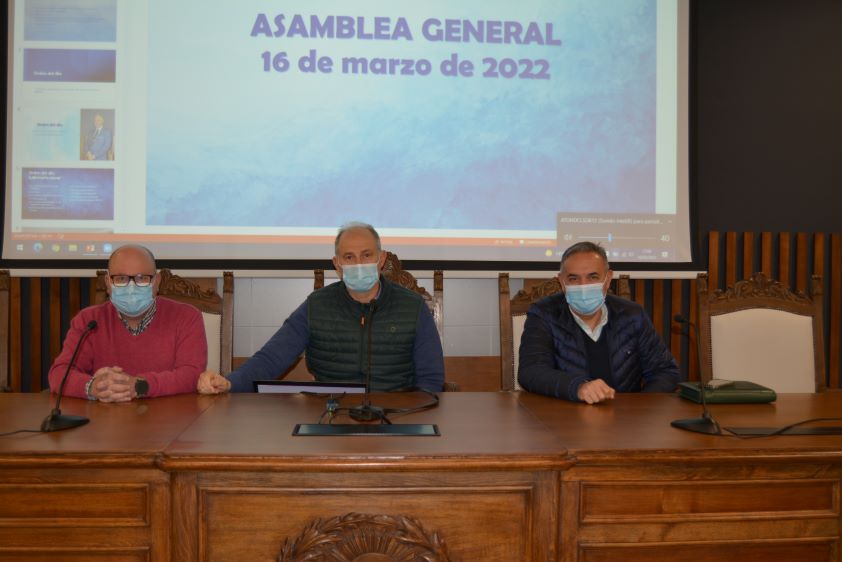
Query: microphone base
[705, 425]
[58, 422]
[367, 413]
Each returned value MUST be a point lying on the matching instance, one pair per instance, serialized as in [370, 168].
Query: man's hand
[594, 392]
[212, 383]
[112, 384]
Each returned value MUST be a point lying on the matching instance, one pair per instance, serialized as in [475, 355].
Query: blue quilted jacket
[553, 357]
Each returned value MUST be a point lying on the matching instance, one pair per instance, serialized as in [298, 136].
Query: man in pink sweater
[140, 345]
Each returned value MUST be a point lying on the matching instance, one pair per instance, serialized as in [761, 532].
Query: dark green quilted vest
[338, 350]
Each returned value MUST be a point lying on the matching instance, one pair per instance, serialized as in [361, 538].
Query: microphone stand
[366, 412]
[705, 424]
[55, 421]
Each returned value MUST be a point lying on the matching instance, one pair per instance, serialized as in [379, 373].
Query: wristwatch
[88, 392]
[141, 387]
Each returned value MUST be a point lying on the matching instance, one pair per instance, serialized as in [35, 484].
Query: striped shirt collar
[144, 322]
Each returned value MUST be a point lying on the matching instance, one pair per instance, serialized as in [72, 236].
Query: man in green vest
[359, 325]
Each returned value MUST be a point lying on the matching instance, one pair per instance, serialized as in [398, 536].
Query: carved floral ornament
[545, 289]
[759, 285]
[174, 285]
[394, 272]
[360, 537]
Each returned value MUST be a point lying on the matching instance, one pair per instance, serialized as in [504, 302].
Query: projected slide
[68, 193]
[475, 130]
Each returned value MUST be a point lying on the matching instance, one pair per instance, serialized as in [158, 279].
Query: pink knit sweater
[171, 353]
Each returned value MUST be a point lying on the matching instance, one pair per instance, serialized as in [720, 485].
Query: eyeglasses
[140, 280]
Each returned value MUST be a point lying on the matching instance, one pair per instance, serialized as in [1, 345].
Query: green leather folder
[738, 392]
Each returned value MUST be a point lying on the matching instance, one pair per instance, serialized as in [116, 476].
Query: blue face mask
[132, 300]
[585, 299]
[360, 278]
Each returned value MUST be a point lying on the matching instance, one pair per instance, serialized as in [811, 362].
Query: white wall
[471, 317]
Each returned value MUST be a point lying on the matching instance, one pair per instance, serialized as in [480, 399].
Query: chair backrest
[513, 317]
[760, 331]
[394, 272]
[217, 311]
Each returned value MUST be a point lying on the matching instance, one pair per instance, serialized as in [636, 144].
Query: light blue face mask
[132, 300]
[360, 278]
[585, 299]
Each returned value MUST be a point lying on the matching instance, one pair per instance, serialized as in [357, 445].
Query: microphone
[366, 412]
[705, 424]
[55, 421]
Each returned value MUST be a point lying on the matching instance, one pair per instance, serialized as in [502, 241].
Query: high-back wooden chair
[513, 317]
[217, 311]
[760, 331]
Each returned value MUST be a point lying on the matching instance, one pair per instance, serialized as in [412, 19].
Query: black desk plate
[821, 430]
[338, 429]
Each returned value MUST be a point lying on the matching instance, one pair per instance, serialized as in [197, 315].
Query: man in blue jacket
[98, 140]
[362, 324]
[585, 345]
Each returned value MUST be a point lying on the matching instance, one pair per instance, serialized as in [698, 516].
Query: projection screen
[474, 130]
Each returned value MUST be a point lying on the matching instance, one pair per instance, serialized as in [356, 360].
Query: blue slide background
[69, 65]
[230, 144]
[68, 193]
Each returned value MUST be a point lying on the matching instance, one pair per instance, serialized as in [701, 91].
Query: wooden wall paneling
[730, 259]
[713, 260]
[748, 254]
[766, 253]
[35, 339]
[818, 255]
[15, 334]
[675, 328]
[74, 302]
[835, 299]
[54, 328]
[640, 292]
[802, 253]
[5, 287]
[784, 254]
[658, 306]
[96, 289]
[692, 349]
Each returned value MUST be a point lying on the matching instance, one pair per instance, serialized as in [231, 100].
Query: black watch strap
[141, 387]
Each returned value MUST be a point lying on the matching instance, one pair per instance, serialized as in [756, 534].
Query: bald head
[134, 253]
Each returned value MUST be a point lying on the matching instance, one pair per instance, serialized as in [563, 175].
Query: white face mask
[132, 300]
[360, 278]
[585, 299]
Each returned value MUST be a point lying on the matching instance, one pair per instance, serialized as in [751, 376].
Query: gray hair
[584, 248]
[353, 225]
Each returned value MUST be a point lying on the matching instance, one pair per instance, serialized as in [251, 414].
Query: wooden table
[512, 477]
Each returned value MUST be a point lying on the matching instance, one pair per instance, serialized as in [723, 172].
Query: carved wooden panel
[494, 517]
[365, 537]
